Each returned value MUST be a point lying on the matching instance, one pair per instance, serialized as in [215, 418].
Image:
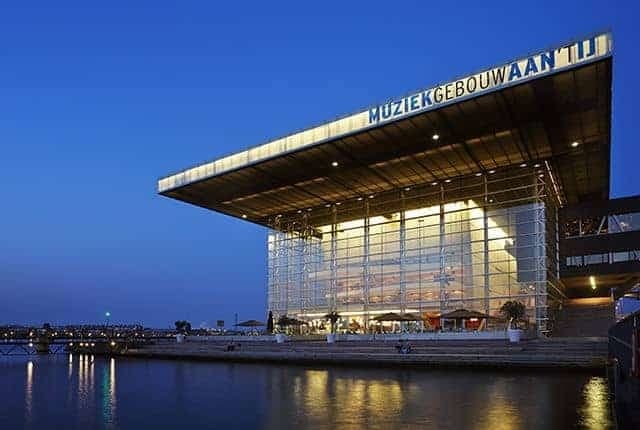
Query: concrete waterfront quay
[560, 353]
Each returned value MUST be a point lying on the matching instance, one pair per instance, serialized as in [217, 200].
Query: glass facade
[480, 242]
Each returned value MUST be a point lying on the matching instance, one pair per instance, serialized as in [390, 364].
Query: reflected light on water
[28, 393]
[109, 393]
[113, 393]
[501, 412]
[85, 380]
[316, 388]
[595, 409]
[351, 399]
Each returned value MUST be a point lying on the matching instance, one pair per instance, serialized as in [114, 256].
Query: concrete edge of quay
[383, 359]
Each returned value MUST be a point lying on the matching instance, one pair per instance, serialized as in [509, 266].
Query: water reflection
[390, 399]
[85, 381]
[70, 370]
[321, 396]
[109, 393]
[501, 413]
[28, 393]
[595, 409]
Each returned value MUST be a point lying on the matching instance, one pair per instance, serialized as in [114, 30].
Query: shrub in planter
[182, 328]
[514, 311]
[333, 318]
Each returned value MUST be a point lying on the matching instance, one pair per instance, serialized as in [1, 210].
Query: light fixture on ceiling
[327, 205]
[436, 136]
[536, 165]
[523, 165]
[244, 216]
[334, 164]
[407, 188]
[338, 203]
[447, 180]
[359, 199]
[575, 144]
[371, 196]
[479, 174]
[491, 172]
[433, 184]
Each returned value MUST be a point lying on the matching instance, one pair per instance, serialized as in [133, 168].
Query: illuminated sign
[518, 71]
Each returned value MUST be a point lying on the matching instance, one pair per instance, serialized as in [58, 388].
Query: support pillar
[443, 259]
[403, 257]
[333, 286]
[366, 272]
[487, 268]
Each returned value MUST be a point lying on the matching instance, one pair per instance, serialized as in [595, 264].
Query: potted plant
[283, 322]
[514, 312]
[333, 318]
[182, 328]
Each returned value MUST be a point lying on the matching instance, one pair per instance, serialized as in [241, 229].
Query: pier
[624, 376]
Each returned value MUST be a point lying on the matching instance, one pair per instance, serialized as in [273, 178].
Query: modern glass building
[442, 199]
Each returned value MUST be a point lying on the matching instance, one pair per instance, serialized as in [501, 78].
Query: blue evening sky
[97, 102]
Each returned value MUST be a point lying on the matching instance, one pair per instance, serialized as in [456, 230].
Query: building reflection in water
[395, 399]
[595, 408]
[501, 411]
[321, 396]
[28, 393]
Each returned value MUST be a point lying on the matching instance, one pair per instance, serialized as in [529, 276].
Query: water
[85, 393]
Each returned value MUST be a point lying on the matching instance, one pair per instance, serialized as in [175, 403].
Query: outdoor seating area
[459, 320]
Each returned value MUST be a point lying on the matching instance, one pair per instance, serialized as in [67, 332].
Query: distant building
[462, 195]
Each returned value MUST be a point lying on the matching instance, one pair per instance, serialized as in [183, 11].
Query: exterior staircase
[585, 317]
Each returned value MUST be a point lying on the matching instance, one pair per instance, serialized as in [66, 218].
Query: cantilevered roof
[533, 112]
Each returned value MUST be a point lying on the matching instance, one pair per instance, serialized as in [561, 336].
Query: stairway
[585, 317]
